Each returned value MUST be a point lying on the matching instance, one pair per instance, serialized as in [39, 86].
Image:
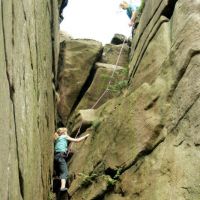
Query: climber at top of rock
[132, 11]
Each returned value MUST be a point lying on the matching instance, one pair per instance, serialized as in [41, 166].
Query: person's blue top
[61, 144]
[132, 7]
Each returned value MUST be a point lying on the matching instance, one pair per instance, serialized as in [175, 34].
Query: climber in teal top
[61, 144]
[61, 139]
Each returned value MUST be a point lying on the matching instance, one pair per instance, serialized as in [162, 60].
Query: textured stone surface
[147, 141]
[26, 100]
[83, 119]
[111, 53]
[154, 14]
[154, 55]
[100, 83]
[77, 59]
[118, 39]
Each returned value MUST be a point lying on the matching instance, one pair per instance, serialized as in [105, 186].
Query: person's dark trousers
[60, 165]
[63, 5]
[134, 28]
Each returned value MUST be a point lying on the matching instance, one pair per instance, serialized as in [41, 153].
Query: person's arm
[55, 136]
[133, 18]
[76, 139]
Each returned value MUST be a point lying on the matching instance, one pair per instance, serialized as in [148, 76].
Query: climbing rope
[103, 93]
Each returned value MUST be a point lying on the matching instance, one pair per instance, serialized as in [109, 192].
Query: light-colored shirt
[60, 144]
[133, 6]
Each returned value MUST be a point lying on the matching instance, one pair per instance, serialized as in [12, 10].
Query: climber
[131, 11]
[61, 139]
[62, 6]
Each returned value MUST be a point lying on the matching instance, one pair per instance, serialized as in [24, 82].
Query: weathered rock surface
[118, 39]
[100, 83]
[83, 119]
[111, 53]
[26, 100]
[146, 145]
[77, 59]
[81, 79]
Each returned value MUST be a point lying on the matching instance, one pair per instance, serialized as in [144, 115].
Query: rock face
[100, 83]
[85, 68]
[78, 58]
[26, 100]
[111, 53]
[118, 39]
[146, 144]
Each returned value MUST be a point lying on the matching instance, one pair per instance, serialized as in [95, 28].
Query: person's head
[61, 131]
[123, 5]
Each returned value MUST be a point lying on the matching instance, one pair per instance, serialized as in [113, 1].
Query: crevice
[21, 182]
[100, 196]
[55, 62]
[13, 17]
[140, 157]
[12, 91]
[169, 9]
[86, 85]
[84, 89]
[111, 172]
[167, 12]
[184, 114]
[28, 37]
[147, 25]
[152, 103]
[179, 144]
[47, 119]
[144, 47]
[182, 71]
[188, 189]
[25, 17]
[8, 79]
[61, 60]
[36, 46]
[11, 86]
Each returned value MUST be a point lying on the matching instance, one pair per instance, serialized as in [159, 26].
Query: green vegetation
[87, 179]
[110, 181]
[118, 173]
[140, 9]
[119, 86]
[51, 196]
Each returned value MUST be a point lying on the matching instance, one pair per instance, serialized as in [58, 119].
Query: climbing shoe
[63, 189]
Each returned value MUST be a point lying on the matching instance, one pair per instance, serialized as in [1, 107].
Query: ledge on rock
[83, 119]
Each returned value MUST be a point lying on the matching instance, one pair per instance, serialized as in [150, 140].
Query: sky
[95, 19]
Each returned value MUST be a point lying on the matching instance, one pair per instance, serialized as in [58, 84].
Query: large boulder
[77, 58]
[118, 39]
[82, 120]
[112, 52]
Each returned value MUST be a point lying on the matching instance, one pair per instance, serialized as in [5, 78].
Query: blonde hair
[62, 131]
[123, 4]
